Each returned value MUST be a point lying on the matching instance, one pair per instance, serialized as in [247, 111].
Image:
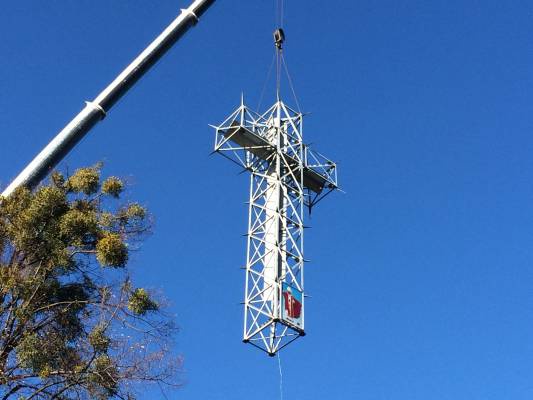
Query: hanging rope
[276, 16]
[281, 10]
[279, 59]
[278, 71]
[280, 378]
[279, 38]
[266, 81]
[279, 13]
[289, 79]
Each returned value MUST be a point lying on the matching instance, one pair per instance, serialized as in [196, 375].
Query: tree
[72, 325]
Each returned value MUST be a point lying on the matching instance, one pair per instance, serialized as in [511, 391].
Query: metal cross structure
[286, 178]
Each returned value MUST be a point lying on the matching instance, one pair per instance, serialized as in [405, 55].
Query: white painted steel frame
[270, 146]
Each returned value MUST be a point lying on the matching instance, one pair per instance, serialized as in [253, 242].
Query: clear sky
[421, 275]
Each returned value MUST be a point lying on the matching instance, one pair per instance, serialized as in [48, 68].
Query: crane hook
[279, 38]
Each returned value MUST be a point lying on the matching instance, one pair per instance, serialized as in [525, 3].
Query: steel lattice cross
[286, 178]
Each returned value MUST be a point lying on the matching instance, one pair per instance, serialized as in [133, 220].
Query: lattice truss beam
[286, 176]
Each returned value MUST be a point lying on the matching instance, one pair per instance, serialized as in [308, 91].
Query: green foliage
[57, 179]
[98, 339]
[111, 251]
[113, 186]
[132, 214]
[58, 308]
[135, 211]
[105, 377]
[34, 220]
[85, 180]
[140, 302]
[106, 219]
[30, 353]
[78, 226]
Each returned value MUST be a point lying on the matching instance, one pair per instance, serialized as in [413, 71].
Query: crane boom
[94, 111]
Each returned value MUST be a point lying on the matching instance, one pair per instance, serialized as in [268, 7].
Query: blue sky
[421, 275]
